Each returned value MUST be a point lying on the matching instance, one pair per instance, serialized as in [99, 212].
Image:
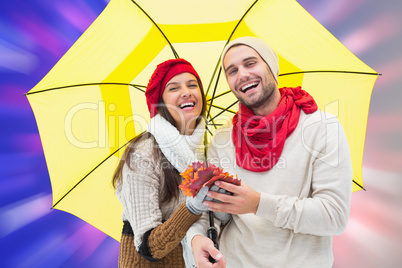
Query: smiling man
[251, 79]
[295, 167]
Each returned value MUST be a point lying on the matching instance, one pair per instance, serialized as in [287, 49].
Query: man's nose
[243, 72]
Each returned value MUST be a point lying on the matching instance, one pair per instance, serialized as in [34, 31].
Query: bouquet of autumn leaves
[200, 174]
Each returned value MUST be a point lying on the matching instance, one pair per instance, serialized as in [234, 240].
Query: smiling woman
[183, 100]
[148, 175]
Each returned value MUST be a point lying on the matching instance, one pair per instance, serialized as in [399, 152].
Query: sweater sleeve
[326, 211]
[139, 194]
[167, 236]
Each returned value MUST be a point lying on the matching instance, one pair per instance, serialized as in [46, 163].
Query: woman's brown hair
[172, 177]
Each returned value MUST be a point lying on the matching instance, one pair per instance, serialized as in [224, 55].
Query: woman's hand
[194, 204]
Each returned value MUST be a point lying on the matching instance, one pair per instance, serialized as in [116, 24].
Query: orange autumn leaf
[200, 174]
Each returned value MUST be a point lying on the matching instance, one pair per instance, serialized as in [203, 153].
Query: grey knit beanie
[262, 48]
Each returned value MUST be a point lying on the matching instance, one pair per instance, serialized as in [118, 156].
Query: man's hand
[203, 247]
[244, 199]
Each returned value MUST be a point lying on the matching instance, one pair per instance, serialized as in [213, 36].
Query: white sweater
[140, 191]
[305, 198]
[141, 186]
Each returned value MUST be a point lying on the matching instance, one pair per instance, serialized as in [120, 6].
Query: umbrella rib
[88, 84]
[209, 130]
[89, 173]
[223, 110]
[226, 109]
[329, 71]
[213, 93]
[227, 42]
[241, 19]
[156, 25]
[359, 185]
[220, 95]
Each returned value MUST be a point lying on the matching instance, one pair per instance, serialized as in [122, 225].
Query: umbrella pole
[212, 234]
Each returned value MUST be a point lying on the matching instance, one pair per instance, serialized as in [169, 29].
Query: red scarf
[259, 140]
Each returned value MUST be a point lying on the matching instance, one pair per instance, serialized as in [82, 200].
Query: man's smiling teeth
[246, 87]
[187, 104]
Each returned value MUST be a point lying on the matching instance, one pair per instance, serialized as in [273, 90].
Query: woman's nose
[185, 92]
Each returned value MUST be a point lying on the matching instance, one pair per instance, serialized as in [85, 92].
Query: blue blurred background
[35, 34]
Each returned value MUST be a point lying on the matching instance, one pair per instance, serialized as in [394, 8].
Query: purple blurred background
[35, 34]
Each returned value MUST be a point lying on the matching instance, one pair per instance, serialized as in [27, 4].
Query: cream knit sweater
[305, 199]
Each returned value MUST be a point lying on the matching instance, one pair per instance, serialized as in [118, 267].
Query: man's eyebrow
[244, 60]
[250, 58]
[230, 66]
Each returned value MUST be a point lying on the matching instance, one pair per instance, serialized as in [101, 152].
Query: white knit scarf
[180, 150]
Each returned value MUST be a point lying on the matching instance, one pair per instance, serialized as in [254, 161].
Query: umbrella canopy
[92, 103]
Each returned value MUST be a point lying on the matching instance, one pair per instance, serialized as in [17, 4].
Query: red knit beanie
[162, 74]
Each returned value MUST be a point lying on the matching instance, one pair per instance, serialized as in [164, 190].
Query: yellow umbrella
[92, 103]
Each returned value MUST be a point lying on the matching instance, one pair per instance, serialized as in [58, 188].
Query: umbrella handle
[212, 233]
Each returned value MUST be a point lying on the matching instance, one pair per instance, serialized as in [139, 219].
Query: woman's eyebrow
[171, 83]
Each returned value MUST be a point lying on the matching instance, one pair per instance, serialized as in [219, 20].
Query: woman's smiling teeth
[187, 105]
[249, 86]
